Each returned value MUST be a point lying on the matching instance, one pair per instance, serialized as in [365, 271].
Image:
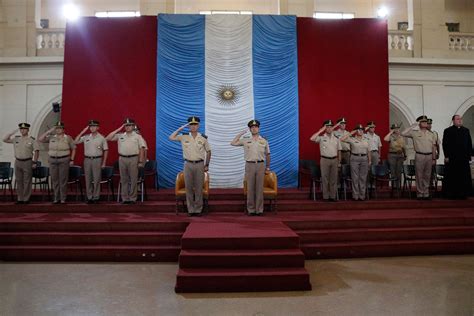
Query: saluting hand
[85, 129]
[183, 126]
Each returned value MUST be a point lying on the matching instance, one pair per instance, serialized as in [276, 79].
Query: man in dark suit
[457, 147]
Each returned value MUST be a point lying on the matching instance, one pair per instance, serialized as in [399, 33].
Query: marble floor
[378, 286]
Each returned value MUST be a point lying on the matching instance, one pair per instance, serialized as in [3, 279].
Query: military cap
[358, 126]
[24, 125]
[129, 121]
[253, 123]
[422, 118]
[59, 124]
[370, 124]
[342, 120]
[194, 120]
[93, 123]
[328, 123]
[395, 126]
[429, 121]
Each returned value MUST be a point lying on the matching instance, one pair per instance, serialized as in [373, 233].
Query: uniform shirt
[396, 144]
[60, 146]
[23, 146]
[129, 144]
[254, 149]
[94, 146]
[423, 141]
[329, 145]
[194, 148]
[339, 134]
[374, 141]
[358, 146]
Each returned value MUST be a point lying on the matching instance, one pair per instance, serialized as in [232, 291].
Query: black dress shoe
[63, 202]
[19, 202]
[190, 214]
[90, 202]
[26, 202]
[55, 202]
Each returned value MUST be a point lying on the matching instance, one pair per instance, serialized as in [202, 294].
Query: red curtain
[110, 74]
[342, 71]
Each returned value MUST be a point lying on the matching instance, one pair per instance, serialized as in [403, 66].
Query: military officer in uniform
[375, 144]
[346, 148]
[26, 154]
[330, 147]
[396, 153]
[62, 151]
[131, 157]
[257, 163]
[197, 155]
[436, 136]
[424, 143]
[360, 161]
[95, 158]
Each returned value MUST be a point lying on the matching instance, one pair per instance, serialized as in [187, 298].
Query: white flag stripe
[228, 64]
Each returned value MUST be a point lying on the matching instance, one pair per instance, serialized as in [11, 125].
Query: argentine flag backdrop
[228, 70]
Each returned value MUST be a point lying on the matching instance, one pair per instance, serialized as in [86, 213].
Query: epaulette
[185, 134]
[33, 138]
[263, 137]
[204, 135]
[17, 136]
[247, 137]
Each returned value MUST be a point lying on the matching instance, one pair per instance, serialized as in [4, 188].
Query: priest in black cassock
[457, 147]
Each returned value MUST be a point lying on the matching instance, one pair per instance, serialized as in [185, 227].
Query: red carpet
[240, 257]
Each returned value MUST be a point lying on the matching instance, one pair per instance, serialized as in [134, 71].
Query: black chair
[346, 179]
[409, 176]
[151, 170]
[41, 178]
[75, 175]
[107, 178]
[439, 176]
[304, 170]
[6, 178]
[5, 164]
[381, 174]
[140, 183]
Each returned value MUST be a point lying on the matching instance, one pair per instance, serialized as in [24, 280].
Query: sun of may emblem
[227, 95]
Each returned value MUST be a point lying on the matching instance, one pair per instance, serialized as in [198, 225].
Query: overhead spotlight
[71, 12]
[382, 12]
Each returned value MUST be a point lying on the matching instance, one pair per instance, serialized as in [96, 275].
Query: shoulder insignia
[185, 134]
[204, 135]
[33, 138]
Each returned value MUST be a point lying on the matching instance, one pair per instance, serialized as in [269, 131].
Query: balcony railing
[400, 43]
[461, 42]
[50, 42]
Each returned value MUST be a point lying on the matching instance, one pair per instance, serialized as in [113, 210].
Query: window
[333, 15]
[117, 14]
[226, 12]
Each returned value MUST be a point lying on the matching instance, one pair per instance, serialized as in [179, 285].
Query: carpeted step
[91, 238]
[389, 233]
[239, 235]
[388, 248]
[261, 258]
[134, 253]
[242, 280]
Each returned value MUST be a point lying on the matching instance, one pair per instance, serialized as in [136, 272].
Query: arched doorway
[396, 116]
[468, 120]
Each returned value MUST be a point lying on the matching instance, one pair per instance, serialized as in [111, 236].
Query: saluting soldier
[396, 153]
[330, 147]
[345, 147]
[62, 151]
[257, 163]
[197, 155]
[95, 158]
[26, 154]
[425, 155]
[131, 157]
[375, 144]
[360, 161]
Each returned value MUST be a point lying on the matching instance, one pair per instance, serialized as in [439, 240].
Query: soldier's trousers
[329, 177]
[254, 176]
[423, 166]
[23, 175]
[59, 169]
[194, 182]
[93, 174]
[359, 171]
[128, 167]
[395, 162]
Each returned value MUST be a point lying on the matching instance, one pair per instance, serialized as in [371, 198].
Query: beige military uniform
[129, 145]
[24, 148]
[423, 142]
[345, 147]
[94, 147]
[374, 145]
[329, 145]
[59, 158]
[255, 151]
[195, 150]
[396, 156]
[359, 166]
